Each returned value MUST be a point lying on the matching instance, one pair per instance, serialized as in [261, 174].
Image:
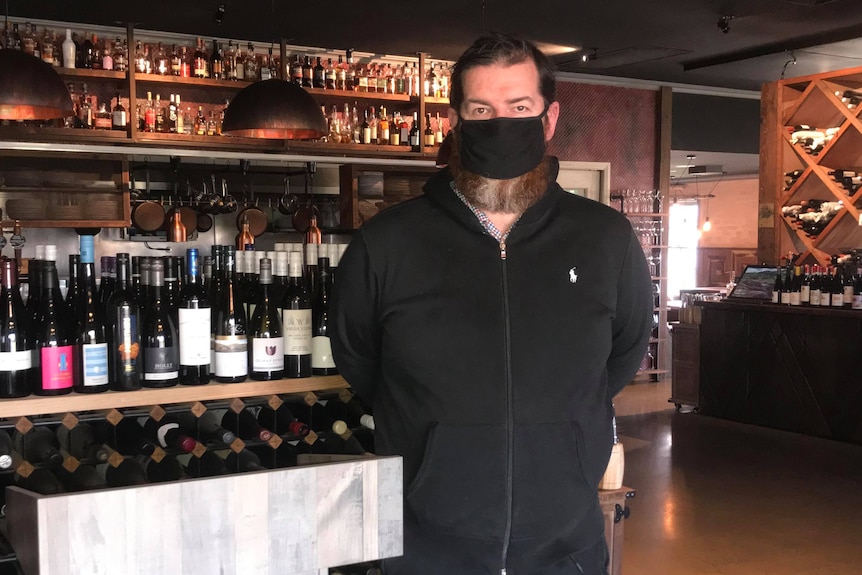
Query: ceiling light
[588, 54]
[707, 225]
[551, 50]
[31, 89]
[274, 109]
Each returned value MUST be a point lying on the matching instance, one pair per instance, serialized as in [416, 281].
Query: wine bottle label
[231, 355]
[120, 118]
[848, 294]
[297, 331]
[57, 367]
[95, 357]
[16, 360]
[824, 298]
[857, 301]
[795, 298]
[805, 294]
[815, 297]
[785, 298]
[838, 299]
[126, 337]
[321, 353]
[161, 363]
[194, 331]
[267, 354]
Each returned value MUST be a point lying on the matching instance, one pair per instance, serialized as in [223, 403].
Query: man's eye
[520, 108]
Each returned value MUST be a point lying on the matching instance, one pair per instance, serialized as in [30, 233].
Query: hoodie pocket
[460, 486]
[557, 471]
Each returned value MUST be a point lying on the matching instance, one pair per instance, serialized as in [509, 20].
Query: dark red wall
[609, 124]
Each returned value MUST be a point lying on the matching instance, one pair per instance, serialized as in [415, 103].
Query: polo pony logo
[573, 275]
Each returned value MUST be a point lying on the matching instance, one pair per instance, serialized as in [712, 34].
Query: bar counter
[792, 368]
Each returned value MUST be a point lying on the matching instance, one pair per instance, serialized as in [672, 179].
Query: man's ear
[453, 118]
[551, 119]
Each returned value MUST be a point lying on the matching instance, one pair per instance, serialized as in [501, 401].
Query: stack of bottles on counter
[381, 128]
[163, 321]
[139, 447]
[838, 286]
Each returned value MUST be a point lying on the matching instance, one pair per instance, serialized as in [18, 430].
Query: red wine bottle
[159, 335]
[207, 465]
[123, 323]
[83, 478]
[82, 442]
[52, 339]
[127, 437]
[282, 456]
[195, 326]
[266, 354]
[38, 446]
[282, 421]
[245, 426]
[168, 433]
[16, 347]
[205, 428]
[296, 319]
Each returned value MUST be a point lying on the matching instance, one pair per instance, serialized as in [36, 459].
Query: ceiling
[668, 41]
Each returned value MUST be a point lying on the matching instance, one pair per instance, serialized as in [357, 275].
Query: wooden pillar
[771, 177]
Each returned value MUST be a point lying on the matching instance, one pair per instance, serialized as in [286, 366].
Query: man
[490, 323]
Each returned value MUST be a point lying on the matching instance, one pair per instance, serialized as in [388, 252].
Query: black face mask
[502, 148]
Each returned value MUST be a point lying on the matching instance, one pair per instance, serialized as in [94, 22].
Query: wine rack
[809, 157]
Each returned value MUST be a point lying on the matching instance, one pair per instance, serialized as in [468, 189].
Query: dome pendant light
[31, 89]
[274, 109]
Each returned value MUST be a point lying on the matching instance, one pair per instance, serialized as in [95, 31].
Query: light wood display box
[300, 520]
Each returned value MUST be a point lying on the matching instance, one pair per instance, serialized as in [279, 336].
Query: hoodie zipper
[510, 416]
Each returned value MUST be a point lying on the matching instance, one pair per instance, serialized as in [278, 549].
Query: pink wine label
[57, 367]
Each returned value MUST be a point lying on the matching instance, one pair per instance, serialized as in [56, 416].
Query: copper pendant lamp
[31, 89]
[274, 109]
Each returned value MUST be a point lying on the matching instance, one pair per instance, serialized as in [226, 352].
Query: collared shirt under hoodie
[493, 377]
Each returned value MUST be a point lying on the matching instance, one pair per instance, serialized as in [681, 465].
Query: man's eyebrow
[508, 102]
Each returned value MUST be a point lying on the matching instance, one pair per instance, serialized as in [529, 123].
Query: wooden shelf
[359, 95]
[183, 81]
[50, 134]
[38, 405]
[644, 215]
[67, 224]
[84, 73]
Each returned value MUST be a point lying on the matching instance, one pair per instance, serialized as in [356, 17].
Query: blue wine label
[87, 249]
[95, 357]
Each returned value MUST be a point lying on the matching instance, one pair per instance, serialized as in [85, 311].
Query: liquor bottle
[150, 114]
[438, 132]
[128, 472]
[161, 116]
[205, 428]
[38, 446]
[53, 339]
[321, 349]
[91, 343]
[186, 62]
[127, 437]
[69, 50]
[207, 465]
[350, 72]
[296, 71]
[216, 62]
[415, 140]
[161, 61]
[85, 109]
[245, 426]
[796, 287]
[159, 334]
[296, 318]
[372, 124]
[200, 122]
[341, 74]
[167, 433]
[171, 119]
[82, 441]
[395, 130]
[837, 295]
[201, 62]
[366, 130]
[195, 326]
[362, 79]
[244, 461]
[16, 347]
[244, 237]
[318, 78]
[307, 73]
[229, 62]
[805, 289]
[229, 327]
[265, 68]
[85, 55]
[404, 126]
[119, 118]
[266, 355]
[122, 322]
[282, 421]
[430, 138]
[250, 64]
[383, 127]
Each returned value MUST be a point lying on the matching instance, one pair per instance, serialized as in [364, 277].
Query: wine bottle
[171, 289]
[38, 446]
[311, 273]
[805, 289]
[34, 293]
[56, 352]
[127, 437]
[282, 456]
[83, 478]
[123, 322]
[106, 286]
[837, 285]
[82, 442]
[857, 290]
[205, 428]
[5, 450]
[341, 440]
[244, 425]
[282, 421]
[814, 297]
[16, 347]
[91, 343]
[159, 335]
[195, 326]
[796, 287]
[243, 461]
[128, 472]
[165, 470]
[41, 481]
[322, 362]
[415, 139]
[346, 407]
[168, 433]
[266, 357]
[848, 284]
[207, 465]
[231, 341]
[786, 286]
[826, 287]
[296, 317]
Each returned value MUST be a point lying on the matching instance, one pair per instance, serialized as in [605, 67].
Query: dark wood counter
[792, 368]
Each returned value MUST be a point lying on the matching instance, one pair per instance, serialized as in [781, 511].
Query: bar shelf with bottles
[108, 72]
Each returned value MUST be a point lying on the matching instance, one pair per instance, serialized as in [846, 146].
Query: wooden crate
[300, 521]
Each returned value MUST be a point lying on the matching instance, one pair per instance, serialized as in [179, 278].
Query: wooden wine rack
[810, 100]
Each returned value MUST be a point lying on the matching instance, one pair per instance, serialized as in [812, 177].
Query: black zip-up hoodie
[491, 370]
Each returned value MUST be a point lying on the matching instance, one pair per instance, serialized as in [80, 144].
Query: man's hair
[506, 49]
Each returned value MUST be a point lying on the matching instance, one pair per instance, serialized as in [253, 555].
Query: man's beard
[512, 196]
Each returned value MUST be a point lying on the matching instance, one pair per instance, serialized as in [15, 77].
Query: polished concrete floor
[720, 498]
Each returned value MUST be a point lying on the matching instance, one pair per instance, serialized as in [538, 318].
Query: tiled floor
[721, 498]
